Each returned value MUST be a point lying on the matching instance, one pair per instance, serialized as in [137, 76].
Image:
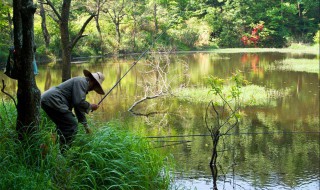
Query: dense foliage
[129, 26]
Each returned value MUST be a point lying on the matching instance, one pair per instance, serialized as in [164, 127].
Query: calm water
[275, 147]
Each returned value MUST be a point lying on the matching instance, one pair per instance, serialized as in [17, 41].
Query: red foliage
[254, 35]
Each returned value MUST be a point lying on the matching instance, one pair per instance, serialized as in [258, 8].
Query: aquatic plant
[251, 95]
[221, 119]
[302, 65]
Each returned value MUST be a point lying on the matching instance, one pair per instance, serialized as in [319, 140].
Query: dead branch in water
[155, 85]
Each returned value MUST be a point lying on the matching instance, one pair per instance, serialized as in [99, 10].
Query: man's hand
[87, 129]
[94, 107]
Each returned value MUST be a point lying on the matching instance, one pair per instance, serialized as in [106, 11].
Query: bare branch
[55, 12]
[2, 90]
[79, 35]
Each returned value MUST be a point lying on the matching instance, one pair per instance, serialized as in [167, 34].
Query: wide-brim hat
[99, 77]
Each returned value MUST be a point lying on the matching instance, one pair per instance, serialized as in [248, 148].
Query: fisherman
[59, 101]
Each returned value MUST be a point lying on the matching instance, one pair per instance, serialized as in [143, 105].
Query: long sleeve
[81, 106]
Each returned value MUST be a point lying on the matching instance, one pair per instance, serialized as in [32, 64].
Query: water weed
[251, 95]
[301, 65]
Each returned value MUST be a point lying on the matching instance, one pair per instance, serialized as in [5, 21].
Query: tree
[45, 32]
[117, 10]
[67, 45]
[28, 94]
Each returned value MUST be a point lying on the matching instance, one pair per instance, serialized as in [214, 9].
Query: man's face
[92, 84]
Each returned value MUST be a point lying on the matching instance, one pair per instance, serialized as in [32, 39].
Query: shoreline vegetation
[296, 49]
[109, 158]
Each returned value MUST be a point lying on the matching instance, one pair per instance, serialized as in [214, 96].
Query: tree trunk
[96, 18]
[134, 33]
[28, 94]
[45, 32]
[100, 34]
[299, 9]
[65, 40]
[117, 23]
[155, 18]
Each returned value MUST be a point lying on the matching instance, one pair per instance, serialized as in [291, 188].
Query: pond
[276, 145]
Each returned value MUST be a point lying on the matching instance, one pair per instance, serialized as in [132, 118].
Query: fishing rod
[133, 64]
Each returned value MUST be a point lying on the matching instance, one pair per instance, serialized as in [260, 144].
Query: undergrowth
[109, 158]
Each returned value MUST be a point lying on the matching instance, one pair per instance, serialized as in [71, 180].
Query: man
[59, 101]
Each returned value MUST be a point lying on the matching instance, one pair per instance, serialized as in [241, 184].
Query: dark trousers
[66, 125]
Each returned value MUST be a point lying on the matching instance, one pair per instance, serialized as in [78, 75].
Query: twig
[248, 133]
[2, 90]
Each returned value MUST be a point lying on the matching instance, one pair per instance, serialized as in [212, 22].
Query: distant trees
[130, 25]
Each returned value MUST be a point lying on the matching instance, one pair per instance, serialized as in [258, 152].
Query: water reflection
[265, 149]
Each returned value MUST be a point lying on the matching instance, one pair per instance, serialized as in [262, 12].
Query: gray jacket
[68, 95]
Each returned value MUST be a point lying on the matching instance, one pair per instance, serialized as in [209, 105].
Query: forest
[100, 27]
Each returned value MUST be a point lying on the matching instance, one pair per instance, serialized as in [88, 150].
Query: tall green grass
[109, 158]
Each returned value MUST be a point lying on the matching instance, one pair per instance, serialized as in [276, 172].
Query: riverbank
[295, 48]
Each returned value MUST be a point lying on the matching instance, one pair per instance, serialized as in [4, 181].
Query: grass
[109, 158]
[251, 95]
[302, 65]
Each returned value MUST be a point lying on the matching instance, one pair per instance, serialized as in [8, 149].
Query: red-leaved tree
[248, 39]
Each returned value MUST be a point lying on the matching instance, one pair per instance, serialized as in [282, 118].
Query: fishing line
[253, 133]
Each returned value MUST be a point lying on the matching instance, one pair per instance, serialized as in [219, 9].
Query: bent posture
[59, 101]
